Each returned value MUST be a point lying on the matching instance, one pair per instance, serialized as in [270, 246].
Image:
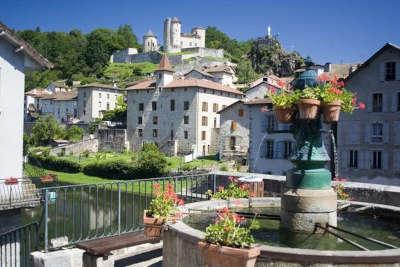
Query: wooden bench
[102, 247]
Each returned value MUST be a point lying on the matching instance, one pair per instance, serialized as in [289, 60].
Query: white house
[180, 115]
[94, 99]
[369, 140]
[16, 56]
[31, 102]
[62, 105]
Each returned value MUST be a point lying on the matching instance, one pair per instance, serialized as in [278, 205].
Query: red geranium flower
[361, 105]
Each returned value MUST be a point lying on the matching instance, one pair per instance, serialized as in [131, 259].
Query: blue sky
[335, 31]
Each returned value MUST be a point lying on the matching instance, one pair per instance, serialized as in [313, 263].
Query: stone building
[62, 105]
[218, 73]
[94, 99]
[180, 115]
[150, 42]
[31, 103]
[369, 140]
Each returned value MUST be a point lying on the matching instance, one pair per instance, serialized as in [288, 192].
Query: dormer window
[390, 71]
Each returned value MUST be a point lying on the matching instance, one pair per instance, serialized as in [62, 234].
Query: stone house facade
[62, 105]
[16, 57]
[180, 115]
[94, 99]
[369, 140]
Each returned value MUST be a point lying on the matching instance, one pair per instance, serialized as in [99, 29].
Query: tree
[119, 114]
[245, 72]
[127, 37]
[74, 133]
[151, 162]
[45, 130]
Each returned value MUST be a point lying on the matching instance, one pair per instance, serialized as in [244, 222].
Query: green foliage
[54, 163]
[245, 72]
[234, 49]
[150, 161]
[164, 203]
[229, 231]
[309, 93]
[233, 190]
[74, 133]
[126, 72]
[26, 144]
[267, 55]
[283, 99]
[33, 171]
[110, 168]
[76, 56]
[45, 130]
[118, 113]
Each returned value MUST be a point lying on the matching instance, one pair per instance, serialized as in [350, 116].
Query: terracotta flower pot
[152, 226]
[308, 108]
[221, 256]
[331, 111]
[285, 115]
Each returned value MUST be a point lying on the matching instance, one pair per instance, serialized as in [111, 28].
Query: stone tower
[150, 42]
[175, 35]
[167, 35]
[201, 33]
[164, 73]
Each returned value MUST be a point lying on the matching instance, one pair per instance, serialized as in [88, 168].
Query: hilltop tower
[150, 42]
[175, 35]
[167, 34]
[201, 33]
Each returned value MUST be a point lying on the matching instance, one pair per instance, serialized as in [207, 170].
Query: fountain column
[308, 197]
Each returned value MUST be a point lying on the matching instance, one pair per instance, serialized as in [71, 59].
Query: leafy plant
[283, 99]
[233, 190]
[229, 230]
[309, 93]
[164, 203]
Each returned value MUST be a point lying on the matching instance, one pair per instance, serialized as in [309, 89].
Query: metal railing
[17, 244]
[22, 193]
[76, 213]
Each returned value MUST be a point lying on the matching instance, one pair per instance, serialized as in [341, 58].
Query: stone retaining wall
[91, 145]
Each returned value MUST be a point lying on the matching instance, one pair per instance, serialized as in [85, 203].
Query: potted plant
[233, 190]
[283, 105]
[308, 103]
[335, 98]
[161, 209]
[228, 242]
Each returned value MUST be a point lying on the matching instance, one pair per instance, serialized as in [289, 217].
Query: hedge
[114, 169]
[54, 163]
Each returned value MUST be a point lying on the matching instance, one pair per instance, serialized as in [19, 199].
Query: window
[270, 123]
[390, 71]
[353, 159]
[269, 149]
[204, 121]
[377, 133]
[398, 101]
[186, 105]
[233, 126]
[203, 135]
[140, 120]
[154, 105]
[232, 143]
[172, 134]
[241, 112]
[84, 112]
[186, 134]
[99, 104]
[288, 149]
[172, 104]
[185, 119]
[108, 96]
[99, 95]
[155, 133]
[204, 106]
[215, 107]
[140, 132]
[376, 160]
[84, 94]
[377, 102]
[141, 106]
[108, 106]
[215, 122]
[155, 120]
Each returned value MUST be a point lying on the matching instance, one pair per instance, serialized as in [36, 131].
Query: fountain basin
[180, 243]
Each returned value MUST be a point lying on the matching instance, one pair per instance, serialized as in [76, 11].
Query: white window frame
[377, 132]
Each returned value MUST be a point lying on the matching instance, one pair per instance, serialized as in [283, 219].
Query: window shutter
[382, 71]
[385, 160]
[368, 133]
[386, 132]
[394, 99]
[263, 150]
[385, 102]
[398, 71]
[369, 103]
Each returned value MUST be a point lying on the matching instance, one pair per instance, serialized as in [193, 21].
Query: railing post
[119, 208]
[46, 219]
[214, 177]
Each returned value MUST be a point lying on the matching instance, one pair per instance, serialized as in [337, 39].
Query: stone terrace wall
[112, 140]
[76, 148]
[364, 192]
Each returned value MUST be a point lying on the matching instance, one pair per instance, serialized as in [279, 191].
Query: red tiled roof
[164, 64]
[182, 83]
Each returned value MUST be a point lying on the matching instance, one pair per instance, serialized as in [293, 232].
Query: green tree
[127, 37]
[151, 162]
[45, 130]
[119, 113]
[245, 72]
[74, 133]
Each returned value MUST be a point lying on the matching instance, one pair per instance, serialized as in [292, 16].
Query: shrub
[111, 168]
[54, 163]
[74, 133]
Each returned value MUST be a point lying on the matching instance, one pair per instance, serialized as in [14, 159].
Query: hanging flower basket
[153, 227]
[285, 115]
[222, 256]
[308, 108]
[331, 111]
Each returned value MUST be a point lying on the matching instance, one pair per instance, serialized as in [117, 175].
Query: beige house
[94, 99]
[369, 140]
[180, 115]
